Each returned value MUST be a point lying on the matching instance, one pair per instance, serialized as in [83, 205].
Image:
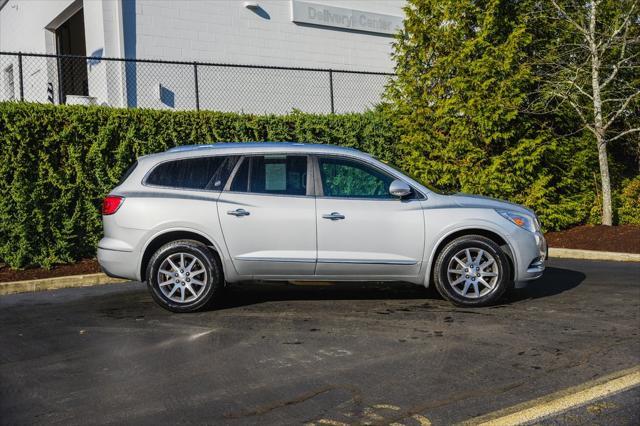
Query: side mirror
[399, 188]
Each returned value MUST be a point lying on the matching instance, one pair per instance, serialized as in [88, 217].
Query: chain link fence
[64, 79]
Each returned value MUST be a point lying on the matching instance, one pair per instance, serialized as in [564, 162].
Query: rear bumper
[119, 264]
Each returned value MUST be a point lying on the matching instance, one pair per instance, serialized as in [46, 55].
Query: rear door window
[200, 173]
[272, 174]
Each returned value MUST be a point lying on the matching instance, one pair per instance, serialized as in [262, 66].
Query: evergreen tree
[460, 99]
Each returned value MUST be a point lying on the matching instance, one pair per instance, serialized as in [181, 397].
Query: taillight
[111, 204]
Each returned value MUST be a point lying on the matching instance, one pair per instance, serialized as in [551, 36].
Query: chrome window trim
[211, 195]
[369, 261]
[372, 199]
[314, 180]
[263, 194]
[276, 259]
[179, 188]
[346, 261]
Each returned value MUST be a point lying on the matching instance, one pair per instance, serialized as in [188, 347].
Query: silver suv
[190, 220]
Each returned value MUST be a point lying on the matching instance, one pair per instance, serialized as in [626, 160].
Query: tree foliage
[465, 82]
[588, 65]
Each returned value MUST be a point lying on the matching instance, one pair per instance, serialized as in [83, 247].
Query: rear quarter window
[201, 173]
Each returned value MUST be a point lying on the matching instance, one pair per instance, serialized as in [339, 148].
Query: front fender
[435, 239]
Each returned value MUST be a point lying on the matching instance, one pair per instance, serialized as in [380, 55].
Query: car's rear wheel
[472, 270]
[184, 276]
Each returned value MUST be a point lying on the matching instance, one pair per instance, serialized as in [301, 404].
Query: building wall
[221, 31]
[102, 28]
[226, 31]
[22, 24]
[22, 28]
[28, 26]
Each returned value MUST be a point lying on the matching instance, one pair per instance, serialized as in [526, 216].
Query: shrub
[58, 162]
[629, 200]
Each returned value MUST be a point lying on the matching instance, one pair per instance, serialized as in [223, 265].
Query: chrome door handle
[238, 212]
[333, 216]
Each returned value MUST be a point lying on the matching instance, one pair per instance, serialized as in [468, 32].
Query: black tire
[441, 274]
[213, 284]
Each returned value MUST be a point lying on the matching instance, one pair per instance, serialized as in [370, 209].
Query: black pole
[20, 76]
[195, 77]
[331, 90]
[59, 62]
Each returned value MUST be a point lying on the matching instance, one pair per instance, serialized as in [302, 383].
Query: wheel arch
[499, 239]
[166, 236]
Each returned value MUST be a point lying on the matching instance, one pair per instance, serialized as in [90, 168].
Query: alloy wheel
[182, 277]
[473, 273]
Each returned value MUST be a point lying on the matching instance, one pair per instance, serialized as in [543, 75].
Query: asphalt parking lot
[366, 353]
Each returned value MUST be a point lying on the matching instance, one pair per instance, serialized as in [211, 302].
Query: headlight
[522, 220]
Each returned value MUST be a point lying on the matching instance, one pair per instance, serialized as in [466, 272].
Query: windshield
[420, 181]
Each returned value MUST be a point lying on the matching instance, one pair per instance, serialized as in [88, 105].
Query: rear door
[267, 213]
[364, 231]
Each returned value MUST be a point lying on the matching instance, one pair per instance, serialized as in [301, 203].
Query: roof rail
[220, 145]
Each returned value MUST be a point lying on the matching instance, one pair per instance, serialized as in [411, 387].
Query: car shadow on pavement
[553, 282]
[251, 293]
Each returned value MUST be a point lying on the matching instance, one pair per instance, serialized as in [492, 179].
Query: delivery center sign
[339, 17]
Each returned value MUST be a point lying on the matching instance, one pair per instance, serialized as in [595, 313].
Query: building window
[9, 92]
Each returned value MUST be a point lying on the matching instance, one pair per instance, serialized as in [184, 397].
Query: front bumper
[531, 252]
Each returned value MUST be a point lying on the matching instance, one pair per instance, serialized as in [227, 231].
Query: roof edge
[221, 145]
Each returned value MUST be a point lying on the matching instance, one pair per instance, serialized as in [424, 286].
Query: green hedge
[57, 162]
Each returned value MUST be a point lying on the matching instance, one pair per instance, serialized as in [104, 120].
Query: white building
[319, 34]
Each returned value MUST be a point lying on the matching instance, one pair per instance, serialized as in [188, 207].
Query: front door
[267, 214]
[363, 231]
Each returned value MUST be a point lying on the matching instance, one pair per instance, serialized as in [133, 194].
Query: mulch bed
[622, 238]
[87, 266]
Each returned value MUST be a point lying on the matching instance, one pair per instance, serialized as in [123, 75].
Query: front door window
[344, 178]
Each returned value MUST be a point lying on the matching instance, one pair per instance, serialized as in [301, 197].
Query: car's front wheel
[184, 276]
[472, 270]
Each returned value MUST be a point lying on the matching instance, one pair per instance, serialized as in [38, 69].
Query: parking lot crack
[261, 410]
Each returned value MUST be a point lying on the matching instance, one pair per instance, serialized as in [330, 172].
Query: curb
[55, 283]
[562, 253]
[100, 278]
